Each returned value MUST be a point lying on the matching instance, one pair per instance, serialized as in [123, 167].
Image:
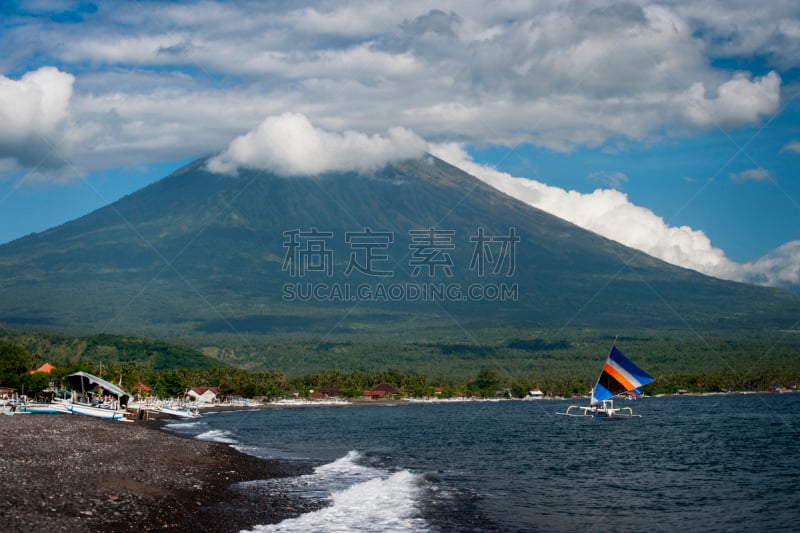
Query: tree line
[15, 363]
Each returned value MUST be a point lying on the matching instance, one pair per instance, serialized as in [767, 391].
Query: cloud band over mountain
[290, 145]
[610, 213]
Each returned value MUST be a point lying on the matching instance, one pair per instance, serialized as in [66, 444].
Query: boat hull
[182, 413]
[97, 412]
[44, 408]
[606, 411]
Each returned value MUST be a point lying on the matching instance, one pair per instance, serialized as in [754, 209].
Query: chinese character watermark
[506, 255]
[430, 249]
[307, 251]
[370, 247]
[430, 253]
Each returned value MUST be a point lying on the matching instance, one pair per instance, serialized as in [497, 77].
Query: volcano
[411, 247]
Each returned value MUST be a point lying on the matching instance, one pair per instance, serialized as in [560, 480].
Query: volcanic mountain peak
[198, 252]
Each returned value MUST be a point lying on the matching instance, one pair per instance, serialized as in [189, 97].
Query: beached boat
[182, 412]
[618, 376]
[84, 382]
[109, 412]
[41, 408]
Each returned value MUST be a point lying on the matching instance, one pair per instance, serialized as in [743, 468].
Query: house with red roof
[142, 389]
[203, 394]
[381, 391]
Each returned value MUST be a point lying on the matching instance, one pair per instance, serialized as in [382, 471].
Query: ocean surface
[691, 463]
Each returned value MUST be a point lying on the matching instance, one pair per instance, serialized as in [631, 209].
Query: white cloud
[290, 145]
[780, 267]
[752, 174]
[613, 179]
[792, 146]
[611, 214]
[732, 28]
[33, 111]
[740, 100]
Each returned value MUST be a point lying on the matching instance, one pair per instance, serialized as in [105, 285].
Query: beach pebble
[101, 475]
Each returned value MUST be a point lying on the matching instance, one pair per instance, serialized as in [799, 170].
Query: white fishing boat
[61, 404]
[41, 408]
[182, 412]
[618, 376]
[113, 409]
[100, 411]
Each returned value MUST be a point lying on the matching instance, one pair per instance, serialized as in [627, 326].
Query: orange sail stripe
[619, 377]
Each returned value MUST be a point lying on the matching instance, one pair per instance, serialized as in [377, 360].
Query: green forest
[562, 363]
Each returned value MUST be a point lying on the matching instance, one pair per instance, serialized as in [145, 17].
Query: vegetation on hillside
[125, 352]
[564, 366]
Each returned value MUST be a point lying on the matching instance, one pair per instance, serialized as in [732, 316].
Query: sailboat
[618, 376]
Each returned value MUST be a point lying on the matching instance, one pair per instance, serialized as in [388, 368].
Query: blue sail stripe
[601, 393]
[629, 367]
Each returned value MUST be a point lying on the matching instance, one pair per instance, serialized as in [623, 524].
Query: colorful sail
[619, 375]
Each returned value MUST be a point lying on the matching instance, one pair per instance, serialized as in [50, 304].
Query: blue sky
[672, 127]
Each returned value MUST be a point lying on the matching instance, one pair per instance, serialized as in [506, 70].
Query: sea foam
[183, 425]
[361, 498]
[217, 435]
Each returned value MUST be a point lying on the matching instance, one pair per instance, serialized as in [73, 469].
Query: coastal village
[90, 395]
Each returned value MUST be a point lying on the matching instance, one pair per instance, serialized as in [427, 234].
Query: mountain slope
[199, 253]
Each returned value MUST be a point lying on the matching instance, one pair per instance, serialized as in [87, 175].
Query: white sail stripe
[635, 382]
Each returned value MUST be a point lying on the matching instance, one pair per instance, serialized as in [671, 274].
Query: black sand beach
[77, 473]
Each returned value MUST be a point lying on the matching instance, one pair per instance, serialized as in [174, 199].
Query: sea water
[712, 463]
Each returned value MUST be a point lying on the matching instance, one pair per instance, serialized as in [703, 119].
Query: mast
[594, 400]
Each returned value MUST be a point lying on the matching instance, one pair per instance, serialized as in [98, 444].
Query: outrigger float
[618, 376]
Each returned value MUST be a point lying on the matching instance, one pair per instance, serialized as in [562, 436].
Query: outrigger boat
[618, 376]
[114, 409]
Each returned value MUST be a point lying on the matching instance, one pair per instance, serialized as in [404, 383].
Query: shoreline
[66, 473]
[215, 408]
